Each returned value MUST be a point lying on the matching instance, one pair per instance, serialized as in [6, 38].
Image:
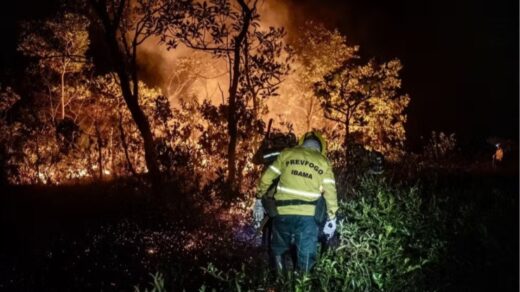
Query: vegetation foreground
[440, 231]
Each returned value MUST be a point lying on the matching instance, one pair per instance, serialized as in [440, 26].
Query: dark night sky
[460, 57]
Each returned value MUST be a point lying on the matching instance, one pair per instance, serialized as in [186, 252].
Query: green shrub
[156, 285]
[387, 238]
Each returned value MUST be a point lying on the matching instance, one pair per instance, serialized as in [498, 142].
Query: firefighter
[497, 156]
[304, 176]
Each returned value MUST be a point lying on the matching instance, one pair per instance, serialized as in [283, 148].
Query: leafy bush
[388, 238]
[156, 285]
[440, 147]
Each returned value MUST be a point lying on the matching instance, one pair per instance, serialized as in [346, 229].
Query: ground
[111, 236]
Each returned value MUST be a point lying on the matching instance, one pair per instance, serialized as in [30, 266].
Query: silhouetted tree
[364, 98]
[126, 25]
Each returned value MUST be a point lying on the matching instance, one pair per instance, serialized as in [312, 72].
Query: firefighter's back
[302, 172]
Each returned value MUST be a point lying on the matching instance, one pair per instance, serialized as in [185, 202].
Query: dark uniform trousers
[302, 231]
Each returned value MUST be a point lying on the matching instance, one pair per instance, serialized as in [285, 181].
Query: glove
[258, 213]
[329, 228]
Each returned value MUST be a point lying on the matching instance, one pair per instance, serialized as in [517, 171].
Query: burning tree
[104, 134]
[256, 60]
[115, 118]
[364, 99]
[46, 127]
[59, 45]
[96, 127]
[317, 51]
[110, 121]
[126, 25]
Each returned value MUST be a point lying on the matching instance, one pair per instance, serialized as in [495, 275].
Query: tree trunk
[232, 105]
[231, 153]
[310, 113]
[112, 153]
[346, 140]
[63, 93]
[123, 71]
[146, 133]
[125, 145]
[100, 151]
[38, 161]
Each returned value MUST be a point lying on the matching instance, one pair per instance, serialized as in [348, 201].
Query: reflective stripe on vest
[271, 154]
[329, 181]
[275, 169]
[298, 192]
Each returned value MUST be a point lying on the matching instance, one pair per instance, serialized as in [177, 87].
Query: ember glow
[184, 93]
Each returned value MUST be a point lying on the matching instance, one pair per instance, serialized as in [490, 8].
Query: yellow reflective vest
[304, 175]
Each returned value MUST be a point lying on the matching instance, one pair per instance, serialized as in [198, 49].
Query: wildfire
[89, 132]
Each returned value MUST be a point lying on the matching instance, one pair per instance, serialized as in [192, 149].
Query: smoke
[184, 74]
[275, 13]
[157, 64]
